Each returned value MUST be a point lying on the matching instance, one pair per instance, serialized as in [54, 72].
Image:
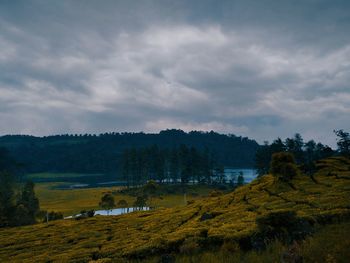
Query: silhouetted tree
[185, 169]
[174, 165]
[343, 142]
[126, 167]
[27, 205]
[107, 202]
[240, 179]
[122, 204]
[46, 216]
[295, 146]
[263, 159]
[306, 153]
[7, 199]
[140, 201]
[150, 190]
[277, 146]
[220, 174]
[283, 166]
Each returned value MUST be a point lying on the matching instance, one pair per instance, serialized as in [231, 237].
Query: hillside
[231, 218]
[91, 153]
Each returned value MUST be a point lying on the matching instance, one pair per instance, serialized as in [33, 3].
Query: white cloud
[176, 73]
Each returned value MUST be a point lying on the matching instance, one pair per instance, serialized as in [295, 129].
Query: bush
[22, 217]
[276, 220]
[283, 225]
[230, 247]
[150, 188]
[189, 246]
[140, 201]
[49, 216]
[107, 201]
[215, 193]
[283, 166]
[55, 216]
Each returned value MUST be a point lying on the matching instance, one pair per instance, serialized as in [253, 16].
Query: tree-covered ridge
[89, 153]
[239, 219]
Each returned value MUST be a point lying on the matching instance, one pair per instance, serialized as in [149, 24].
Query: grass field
[208, 225]
[72, 201]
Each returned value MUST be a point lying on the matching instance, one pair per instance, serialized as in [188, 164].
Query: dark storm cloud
[256, 68]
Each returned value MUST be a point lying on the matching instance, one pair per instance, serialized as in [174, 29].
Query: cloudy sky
[253, 68]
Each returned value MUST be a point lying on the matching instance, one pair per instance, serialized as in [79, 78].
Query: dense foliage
[107, 201]
[18, 203]
[343, 142]
[283, 166]
[305, 154]
[102, 153]
[179, 164]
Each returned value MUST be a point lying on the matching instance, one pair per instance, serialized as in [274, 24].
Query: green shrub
[215, 193]
[283, 225]
[189, 246]
[283, 166]
[230, 247]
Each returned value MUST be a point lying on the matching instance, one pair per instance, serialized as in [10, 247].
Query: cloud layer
[86, 66]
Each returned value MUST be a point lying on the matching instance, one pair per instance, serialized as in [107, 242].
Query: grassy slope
[144, 233]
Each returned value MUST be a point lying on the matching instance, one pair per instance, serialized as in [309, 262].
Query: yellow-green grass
[72, 201]
[164, 230]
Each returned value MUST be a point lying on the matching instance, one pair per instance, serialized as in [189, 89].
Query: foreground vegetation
[244, 220]
[323, 246]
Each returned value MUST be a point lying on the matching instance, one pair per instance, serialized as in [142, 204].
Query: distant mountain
[90, 153]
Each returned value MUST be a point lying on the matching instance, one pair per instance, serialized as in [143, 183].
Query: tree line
[181, 164]
[304, 153]
[90, 153]
[18, 203]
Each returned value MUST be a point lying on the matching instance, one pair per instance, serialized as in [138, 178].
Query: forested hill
[90, 153]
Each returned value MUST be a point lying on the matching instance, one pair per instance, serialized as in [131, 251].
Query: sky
[262, 69]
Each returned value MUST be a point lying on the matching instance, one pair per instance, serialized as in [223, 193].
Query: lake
[120, 211]
[101, 180]
[115, 212]
[248, 174]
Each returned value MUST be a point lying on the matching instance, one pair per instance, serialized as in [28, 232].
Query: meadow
[231, 227]
[72, 201]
